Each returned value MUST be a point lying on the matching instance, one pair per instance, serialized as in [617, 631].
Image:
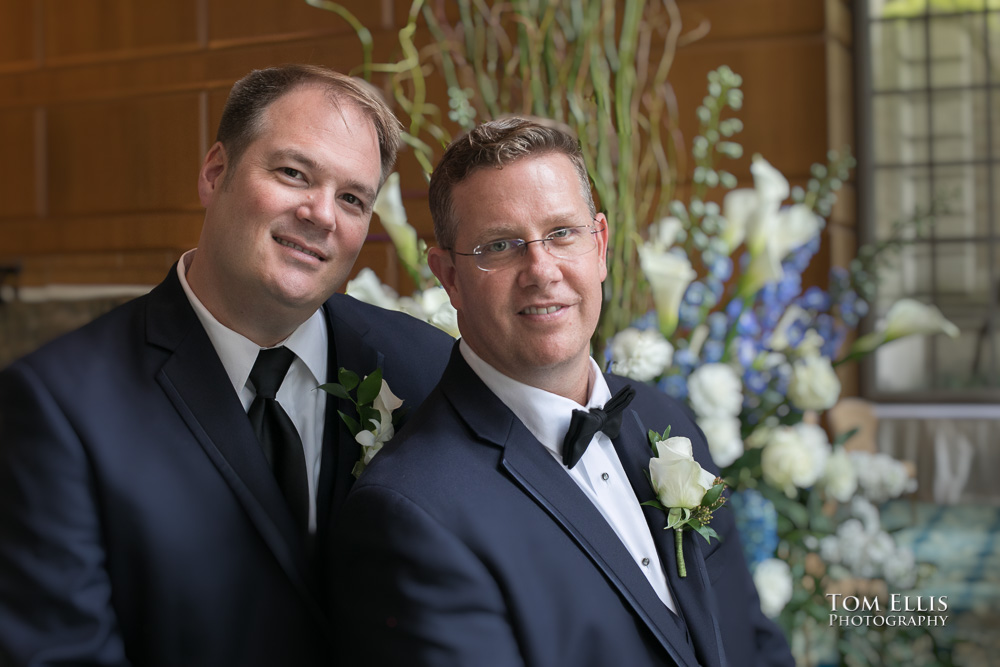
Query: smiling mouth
[530, 310]
[296, 246]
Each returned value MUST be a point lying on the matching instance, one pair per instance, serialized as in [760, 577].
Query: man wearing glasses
[482, 535]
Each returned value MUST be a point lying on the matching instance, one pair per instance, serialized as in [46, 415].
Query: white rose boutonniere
[376, 408]
[685, 491]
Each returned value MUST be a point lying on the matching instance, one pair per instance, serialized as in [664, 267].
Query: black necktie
[276, 433]
[586, 423]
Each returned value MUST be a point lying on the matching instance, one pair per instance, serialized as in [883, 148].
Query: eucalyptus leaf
[655, 503]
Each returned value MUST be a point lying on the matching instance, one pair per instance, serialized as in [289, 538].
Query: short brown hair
[494, 144]
[250, 97]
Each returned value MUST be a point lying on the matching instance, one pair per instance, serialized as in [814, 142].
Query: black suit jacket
[466, 543]
[139, 520]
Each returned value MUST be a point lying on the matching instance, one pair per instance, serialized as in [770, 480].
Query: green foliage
[597, 66]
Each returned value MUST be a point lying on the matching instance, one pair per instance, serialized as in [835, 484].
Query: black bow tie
[586, 423]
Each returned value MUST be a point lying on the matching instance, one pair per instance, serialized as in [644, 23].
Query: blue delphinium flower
[756, 381]
[789, 287]
[688, 315]
[733, 309]
[712, 351]
[816, 299]
[718, 325]
[674, 385]
[746, 351]
[796, 330]
[685, 360]
[647, 321]
[748, 325]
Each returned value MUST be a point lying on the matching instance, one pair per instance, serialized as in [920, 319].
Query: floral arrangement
[736, 336]
[705, 296]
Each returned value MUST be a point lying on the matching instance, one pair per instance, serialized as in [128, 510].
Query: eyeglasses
[564, 243]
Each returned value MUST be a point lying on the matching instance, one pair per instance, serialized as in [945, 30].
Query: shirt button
[645, 562]
[605, 476]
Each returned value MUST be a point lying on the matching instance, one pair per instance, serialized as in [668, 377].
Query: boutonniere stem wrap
[684, 490]
[375, 406]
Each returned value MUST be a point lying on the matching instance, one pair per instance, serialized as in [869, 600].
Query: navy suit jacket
[466, 543]
[139, 520]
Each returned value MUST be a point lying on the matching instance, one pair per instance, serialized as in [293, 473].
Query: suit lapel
[540, 476]
[340, 450]
[195, 381]
[692, 594]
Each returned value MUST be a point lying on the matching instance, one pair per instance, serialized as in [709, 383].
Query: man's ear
[602, 244]
[442, 265]
[212, 174]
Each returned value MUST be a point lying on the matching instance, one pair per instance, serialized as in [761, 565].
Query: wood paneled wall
[107, 107]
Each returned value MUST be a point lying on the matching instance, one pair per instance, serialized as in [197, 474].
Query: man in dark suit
[144, 519]
[479, 537]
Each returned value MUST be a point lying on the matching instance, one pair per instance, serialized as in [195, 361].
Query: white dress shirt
[298, 394]
[599, 473]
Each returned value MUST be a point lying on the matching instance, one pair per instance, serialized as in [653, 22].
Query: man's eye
[293, 173]
[351, 199]
[564, 236]
[497, 246]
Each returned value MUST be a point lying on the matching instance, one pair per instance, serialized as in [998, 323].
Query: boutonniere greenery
[685, 491]
[376, 408]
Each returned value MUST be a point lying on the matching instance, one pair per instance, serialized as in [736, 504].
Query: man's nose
[540, 266]
[320, 209]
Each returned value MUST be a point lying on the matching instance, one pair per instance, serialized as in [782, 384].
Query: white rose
[814, 384]
[724, 441]
[368, 288]
[881, 477]
[760, 437]
[773, 580]
[794, 458]
[679, 481]
[669, 275]
[715, 391]
[818, 445]
[839, 478]
[640, 355]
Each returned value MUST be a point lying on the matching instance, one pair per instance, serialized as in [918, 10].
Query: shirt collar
[238, 353]
[545, 414]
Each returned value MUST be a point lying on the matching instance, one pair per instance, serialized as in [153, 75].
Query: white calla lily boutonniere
[685, 491]
[376, 408]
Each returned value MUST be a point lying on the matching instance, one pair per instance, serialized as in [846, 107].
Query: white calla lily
[669, 275]
[391, 213]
